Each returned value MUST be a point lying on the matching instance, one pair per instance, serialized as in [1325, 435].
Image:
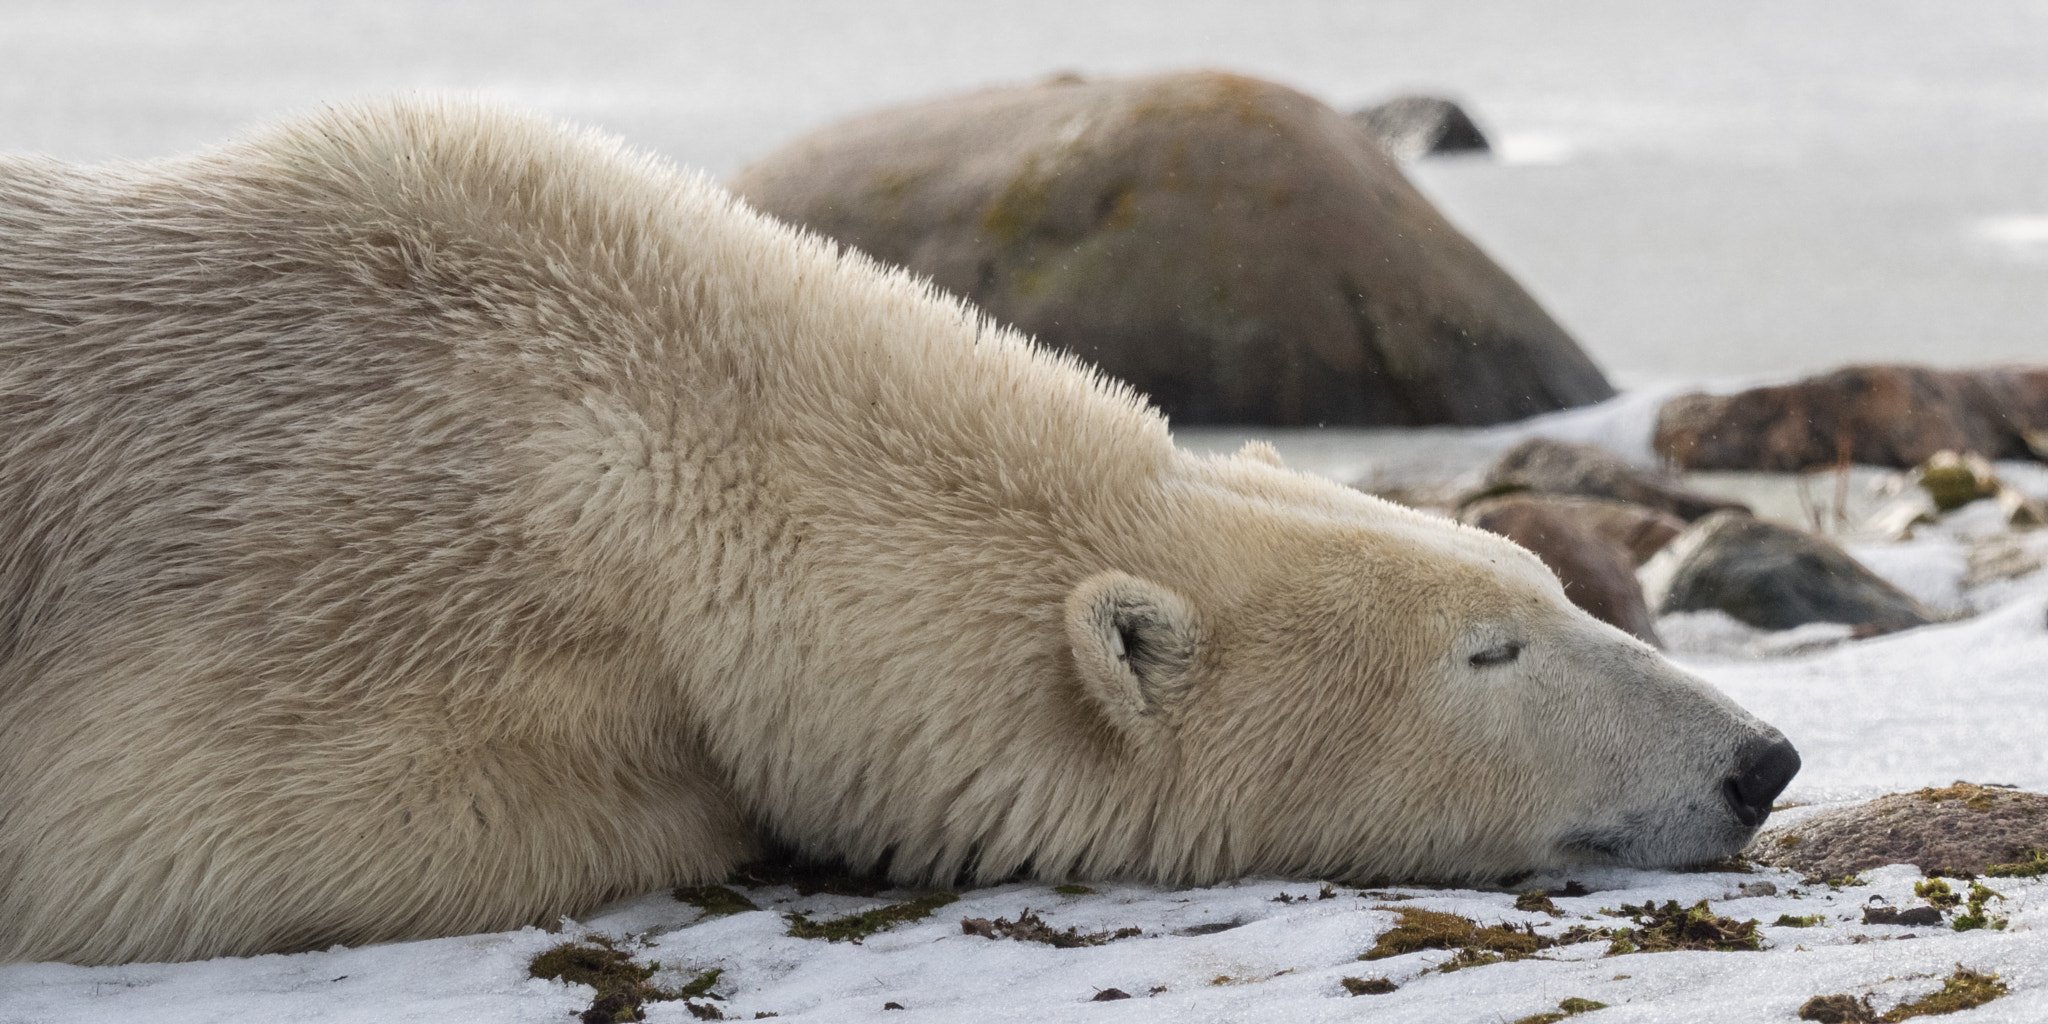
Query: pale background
[1697, 190]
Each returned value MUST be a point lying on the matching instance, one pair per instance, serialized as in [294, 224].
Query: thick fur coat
[422, 519]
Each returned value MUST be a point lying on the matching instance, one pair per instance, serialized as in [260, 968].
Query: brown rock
[1598, 572]
[1878, 415]
[1234, 249]
[1565, 467]
[1959, 829]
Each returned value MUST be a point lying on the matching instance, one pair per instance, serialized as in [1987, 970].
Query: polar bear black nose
[1764, 770]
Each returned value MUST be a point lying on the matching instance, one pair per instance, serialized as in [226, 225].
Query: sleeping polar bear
[420, 519]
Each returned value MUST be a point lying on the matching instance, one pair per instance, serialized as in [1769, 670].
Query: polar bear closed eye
[420, 519]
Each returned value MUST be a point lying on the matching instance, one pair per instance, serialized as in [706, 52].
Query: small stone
[1413, 126]
[1913, 917]
[1759, 889]
[1110, 994]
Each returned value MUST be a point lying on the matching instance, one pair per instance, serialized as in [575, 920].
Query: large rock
[1234, 249]
[1879, 415]
[1412, 126]
[1598, 571]
[1565, 467]
[1959, 829]
[1772, 577]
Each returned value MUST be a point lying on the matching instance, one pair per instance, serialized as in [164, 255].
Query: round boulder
[1773, 577]
[1962, 829]
[1236, 250]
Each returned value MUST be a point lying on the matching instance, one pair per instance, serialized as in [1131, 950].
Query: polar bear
[421, 519]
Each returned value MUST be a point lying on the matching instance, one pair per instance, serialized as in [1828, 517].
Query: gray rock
[1958, 829]
[1413, 126]
[1772, 577]
[1564, 467]
[1236, 250]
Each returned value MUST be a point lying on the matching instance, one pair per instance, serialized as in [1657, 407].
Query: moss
[1367, 986]
[1976, 798]
[1672, 927]
[1956, 480]
[1537, 901]
[2032, 864]
[855, 927]
[1975, 916]
[1937, 893]
[1022, 204]
[1429, 929]
[1837, 883]
[1733, 864]
[596, 963]
[1788, 921]
[714, 900]
[1838, 1009]
[620, 983]
[1073, 890]
[700, 986]
[1961, 990]
[1029, 927]
[1571, 1007]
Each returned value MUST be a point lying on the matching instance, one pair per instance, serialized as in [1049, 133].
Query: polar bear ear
[1134, 645]
[1261, 451]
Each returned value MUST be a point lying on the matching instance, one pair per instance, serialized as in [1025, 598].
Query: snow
[1961, 699]
[1279, 962]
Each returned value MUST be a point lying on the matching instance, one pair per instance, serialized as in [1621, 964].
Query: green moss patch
[1974, 797]
[1474, 945]
[855, 927]
[1974, 915]
[1807, 921]
[621, 983]
[714, 900]
[1029, 927]
[1672, 927]
[1571, 1007]
[2032, 864]
[1838, 1009]
[1961, 990]
[1537, 901]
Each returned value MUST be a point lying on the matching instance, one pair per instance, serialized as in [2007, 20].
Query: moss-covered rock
[1961, 830]
[1236, 250]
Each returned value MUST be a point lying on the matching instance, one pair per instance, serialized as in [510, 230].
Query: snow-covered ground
[1279, 962]
[1963, 699]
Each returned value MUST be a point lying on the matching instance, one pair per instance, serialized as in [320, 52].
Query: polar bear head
[1346, 688]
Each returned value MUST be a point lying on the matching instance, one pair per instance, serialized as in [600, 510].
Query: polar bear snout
[1764, 767]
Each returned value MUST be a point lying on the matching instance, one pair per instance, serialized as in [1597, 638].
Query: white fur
[420, 519]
